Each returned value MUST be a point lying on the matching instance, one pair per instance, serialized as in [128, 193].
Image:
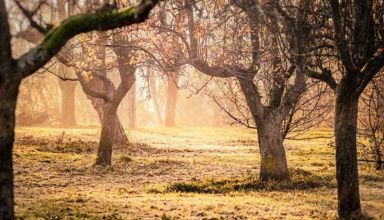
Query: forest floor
[178, 173]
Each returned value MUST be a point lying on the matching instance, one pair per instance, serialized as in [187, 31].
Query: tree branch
[29, 15]
[325, 76]
[95, 94]
[5, 36]
[371, 68]
[341, 41]
[57, 38]
[62, 78]
[218, 71]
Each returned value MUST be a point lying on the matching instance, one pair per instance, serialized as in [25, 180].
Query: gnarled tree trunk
[273, 164]
[120, 135]
[8, 97]
[346, 155]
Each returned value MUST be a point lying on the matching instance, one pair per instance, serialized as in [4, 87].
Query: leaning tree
[13, 71]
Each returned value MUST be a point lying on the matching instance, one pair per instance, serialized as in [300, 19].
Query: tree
[13, 71]
[357, 30]
[132, 106]
[153, 91]
[67, 87]
[103, 95]
[283, 75]
[170, 110]
[160, 48]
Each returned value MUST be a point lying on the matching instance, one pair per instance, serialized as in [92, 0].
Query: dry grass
[180, 173]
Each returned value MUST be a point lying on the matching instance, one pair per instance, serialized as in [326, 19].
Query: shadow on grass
[300, 180]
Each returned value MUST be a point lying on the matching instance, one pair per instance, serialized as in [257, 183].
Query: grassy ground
[180, 173]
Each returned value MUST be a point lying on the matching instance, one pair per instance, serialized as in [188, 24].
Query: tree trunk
[120, 135]
[155, 98]
[346, 155]
[8, 97]
[132, 107]
[68, 118]
[171, 99]
[104, 153]
[273, 164]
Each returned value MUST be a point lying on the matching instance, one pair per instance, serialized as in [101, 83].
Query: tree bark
[120, 135]
[68, 118]
[104, 153]
[346, 155]
[273, 164]
[8, 97]
[171, 99]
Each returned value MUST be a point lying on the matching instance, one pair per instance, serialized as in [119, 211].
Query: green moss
[86, 22]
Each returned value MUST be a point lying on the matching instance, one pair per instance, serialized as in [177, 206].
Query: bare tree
[282, 76]
[357, 33]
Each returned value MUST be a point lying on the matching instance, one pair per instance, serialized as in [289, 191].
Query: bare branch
[371, 68]
[325, 76]
[29, 15]
[60, 77]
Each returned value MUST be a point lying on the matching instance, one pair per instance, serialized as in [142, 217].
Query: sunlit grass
[185, 173]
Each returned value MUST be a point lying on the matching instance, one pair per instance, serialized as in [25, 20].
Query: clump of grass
[125, 159]
[317, 164]
[300, 180]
